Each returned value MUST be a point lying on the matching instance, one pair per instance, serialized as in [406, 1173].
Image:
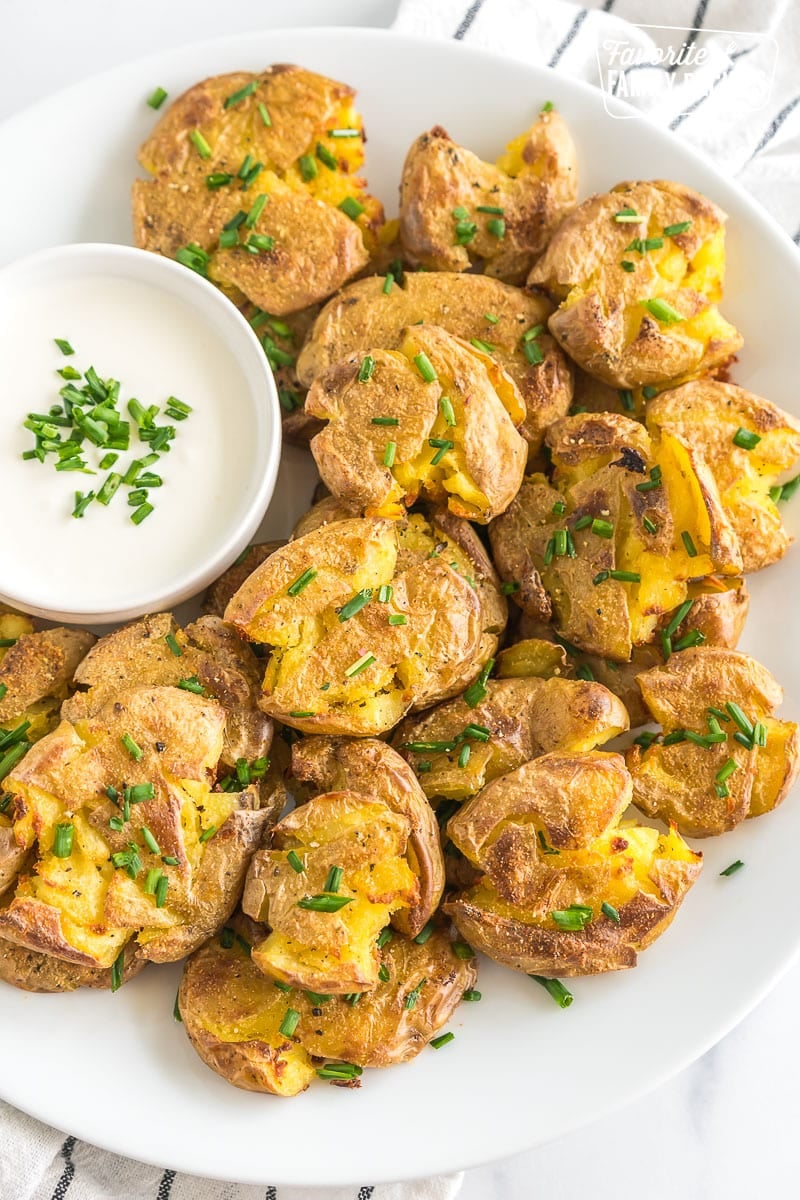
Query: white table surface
[727, 1127]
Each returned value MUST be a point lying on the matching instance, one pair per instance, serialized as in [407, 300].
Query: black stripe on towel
[786, 111]
[568, 40]
[697, 25]
[68, 1174]
[165, 1186]
[468, 18]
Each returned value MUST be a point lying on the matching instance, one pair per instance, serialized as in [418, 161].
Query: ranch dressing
[157, 345]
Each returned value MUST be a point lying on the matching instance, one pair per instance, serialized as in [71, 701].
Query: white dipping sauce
[157, 344]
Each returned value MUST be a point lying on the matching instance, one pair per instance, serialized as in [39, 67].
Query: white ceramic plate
[116, 1070]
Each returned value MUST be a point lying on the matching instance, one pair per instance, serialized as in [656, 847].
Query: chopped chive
[333, 882]
[384, 936]
[490, 208]
[301, 712]
[733, 868]
[150, 841]
[424, 934]
[358, 666]
[340, 1071]
[398, 619]
[366, 369]
[68, 373]
[678, 617]
[584, 671]
[218, 179]
[496, 227]
[171, 641]
[478, 733]
[255, 210]
[789, 488]
[324, 903]
[745, 440]
[385, 593]
[646, 739]
[135, 751]
[603, 529]
[694, 637]
[290, 1022]
[679, 227]
[572, 919]
[760, 734]
[64, 346]
[141, 513]
[491, 318]
[389, 454]
[157, 98]
[308, 168]
[193, 257]
[258, 242]
[649, 525]
[556, 989]
[302, 581]
[627, 265]
[62, 840]
[627, 216]
[387, 283]
[425, 367]
[117, 971]
[463, 950]
[484, 347]
[264, 114]
[200, 144]
[609, 911]
[444, 446]
[441, 1040]
[582, 522]
[82, 503]
[207, 834]
[446, 406]
[355, 605]
[533, 353]
[429, 747]
[625, 576]
[137, 793]
[324, 155]
[510, 587]
[242, 94]
[465, 229]
[626, 399]
[151, 881]
[109, 488]
[294, 862]
[351, 207]
[649, 392]
[691, 549]
[344, 133]
[477, 691]
[662, 311]
[128, 860]
[464, 755]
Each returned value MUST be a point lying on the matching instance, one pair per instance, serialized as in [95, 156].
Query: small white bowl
[161, 330]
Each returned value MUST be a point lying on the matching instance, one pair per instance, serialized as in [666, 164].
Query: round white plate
[116, 1070]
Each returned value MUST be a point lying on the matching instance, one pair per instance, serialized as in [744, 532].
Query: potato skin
[440, 176]
[370, 766]
[317, 247]
[527, 717]
[222, 590]
[581, 267]
[362, 315]
[709, 414]
[378, 1031]
[32, 971]
[677, 782]
[447, 637]
[478, 475]
[547, 836]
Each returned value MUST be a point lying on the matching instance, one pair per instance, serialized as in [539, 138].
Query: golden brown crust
[362, 315]
[32, 971]
[374, 769]
[602, 323]
[222, 590]
[40, 666]
[533, 186]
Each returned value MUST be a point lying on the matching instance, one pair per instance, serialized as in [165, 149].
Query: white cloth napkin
[743, 111]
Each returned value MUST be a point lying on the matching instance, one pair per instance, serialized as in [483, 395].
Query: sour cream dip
[162, 332]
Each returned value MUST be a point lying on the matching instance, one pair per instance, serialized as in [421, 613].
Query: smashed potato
[255, 185]
[611, 545]
[435, 418]
[511, 322]
[336, 872]
[32, 971]
[567, 887]
[456, 210]
[235, 1016]
[373, 769]
[723, 755]
[651, 320]
[366, 618]
[458, 747]
[747, 443]
[128, 838]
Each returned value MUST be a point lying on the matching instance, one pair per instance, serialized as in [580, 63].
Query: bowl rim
[192, 290]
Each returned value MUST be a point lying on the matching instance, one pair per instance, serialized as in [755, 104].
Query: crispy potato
[223, 589]
[709, 415]
[330, 949]
[604, 322]
[454, 436]
[32, 971]
[85, 904]
[373, 769]
[232, 1013]
[360, 674]
[680, 782]
[456, 210]
[363, 315]
[718, 614]
[549, 840]
[524, 717]
[317, 245]
[36, 672]
[209, 652]
[620, 501]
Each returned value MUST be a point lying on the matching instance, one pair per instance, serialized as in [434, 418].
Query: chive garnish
[627, 216]
[385, 593]
[627, 265]
[157, 98]
[360, 665]
[444, 446]
[226, 938]
[207, 834]
[64, 346]
[425, 367]
[398, 619]
[556, 989]
[496, 227]
[678, 617]
[413, 996]
[302, 581]
[424, 934]
[150, 841]
[128, 860]
[662, 311]
[242, 94]
[679, 227]
[351, 207]
[135, 751]
[302, 712]
[324, 902]
[649, 525]
[733, 868]
[464, 755]
[609, 911]
[441, 1040]
[387, 283]
[533, 353]
[355, 605]
[255, 210]
[200, 144]
[477, 691]
[688, 543]
[384, 936]
[625, 576]
[218, 179]
[603, 529]
[491, 318]
[324, 155]
[484, 347]
[446, 407]
[192, 684]
[264, 114]
[82, 502]
[295, 862]
[389, 454]
[171, 641]
[151, 881]
[745, 440]
[340, 1071]
[62, 840]
[366, 369]
[141, 513]
[334, 879]
[344, 133]
[117, 971]
[572, 919]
